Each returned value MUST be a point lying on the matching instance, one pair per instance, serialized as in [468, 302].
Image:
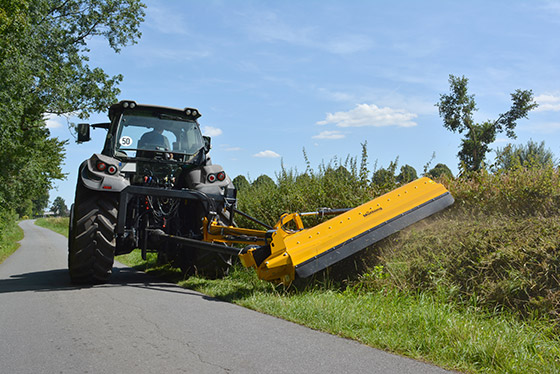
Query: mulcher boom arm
[289, 249]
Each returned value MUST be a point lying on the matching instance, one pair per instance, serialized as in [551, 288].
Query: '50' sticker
[125, 141]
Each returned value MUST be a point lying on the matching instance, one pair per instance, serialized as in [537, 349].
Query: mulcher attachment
[289, 249]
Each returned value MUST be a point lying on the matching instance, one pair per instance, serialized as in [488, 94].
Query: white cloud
[329, 135]
[52, 121]
[267, 154]
[211, 131]
[370, 115]
[233, 149]
[548, 103]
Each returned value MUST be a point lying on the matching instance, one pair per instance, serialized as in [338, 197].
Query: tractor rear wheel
[91, 240]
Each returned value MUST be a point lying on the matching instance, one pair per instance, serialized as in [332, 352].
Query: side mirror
[207, 143]
[83, 132]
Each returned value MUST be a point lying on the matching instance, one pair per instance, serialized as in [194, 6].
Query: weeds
[10, 234]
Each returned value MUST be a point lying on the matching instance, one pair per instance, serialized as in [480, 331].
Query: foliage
[518, 192]
[384, 179]
[457, 109]
[407, 174]
[241, 183]
[264, 181]
[59, 207]
[44, 54]
[531, 155]
[10, 233]
[40, 203]
[25, 209]
[334, 185]
[440, 170]
[44, 70]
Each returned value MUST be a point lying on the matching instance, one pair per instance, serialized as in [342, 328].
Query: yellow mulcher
[289, 250]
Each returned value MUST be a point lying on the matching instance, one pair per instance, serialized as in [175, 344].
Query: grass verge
[420, 325]
[9, 239]
[56, 224]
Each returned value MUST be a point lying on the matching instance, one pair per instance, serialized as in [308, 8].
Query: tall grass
[10, 234]
[56, 224]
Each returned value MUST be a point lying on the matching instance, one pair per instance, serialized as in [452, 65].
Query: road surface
[139, 324]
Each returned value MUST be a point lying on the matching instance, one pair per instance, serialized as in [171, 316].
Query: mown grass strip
[421, 326]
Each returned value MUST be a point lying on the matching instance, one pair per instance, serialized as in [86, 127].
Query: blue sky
[272, 78]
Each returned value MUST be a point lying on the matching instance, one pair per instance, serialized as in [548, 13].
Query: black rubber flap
[377, 233]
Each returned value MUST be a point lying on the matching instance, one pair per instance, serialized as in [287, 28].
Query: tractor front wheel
[91, 244]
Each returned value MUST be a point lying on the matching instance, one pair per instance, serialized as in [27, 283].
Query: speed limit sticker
[125, 141]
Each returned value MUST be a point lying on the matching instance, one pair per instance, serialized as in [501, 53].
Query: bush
[520, 192]
[498, 246]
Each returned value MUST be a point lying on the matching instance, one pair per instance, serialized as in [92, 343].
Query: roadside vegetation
[56, 224]
[44, 70]
[474, 288]
[10, 234]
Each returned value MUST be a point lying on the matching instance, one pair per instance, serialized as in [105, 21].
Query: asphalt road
[138, 324]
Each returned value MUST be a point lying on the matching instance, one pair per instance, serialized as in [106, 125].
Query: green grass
[421, 326]
[56, 224]
[10, 235]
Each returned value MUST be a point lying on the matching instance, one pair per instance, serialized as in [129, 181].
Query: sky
[275, 79]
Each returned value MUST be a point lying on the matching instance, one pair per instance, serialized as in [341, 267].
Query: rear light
[221, 176]
[112, 169]
[211, 178]
[108, 168]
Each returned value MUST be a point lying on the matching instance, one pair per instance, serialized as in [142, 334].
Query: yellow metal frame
[215, 233]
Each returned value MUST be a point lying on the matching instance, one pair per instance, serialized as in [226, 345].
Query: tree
[59, 207]
[241, 183]
[457, 110]
[532, 154]
[43, 69]
[408, 174]
[439, 170]
[264, 180]
[40, 204]
[25, 209]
